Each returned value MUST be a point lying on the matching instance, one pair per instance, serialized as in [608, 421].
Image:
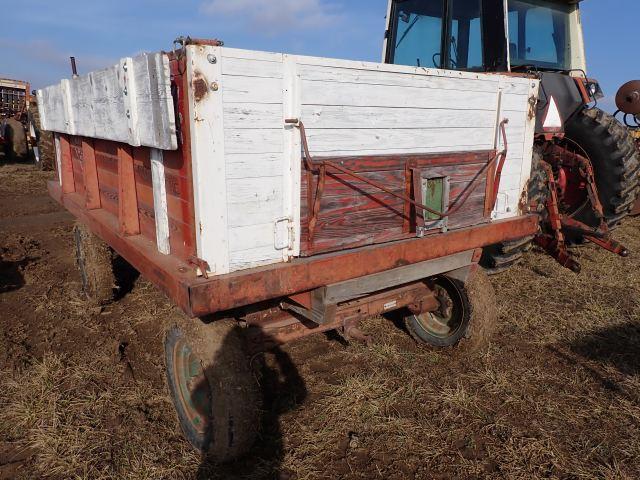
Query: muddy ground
[556, 395]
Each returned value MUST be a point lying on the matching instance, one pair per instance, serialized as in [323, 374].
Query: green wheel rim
[444, 326]
[192, 387]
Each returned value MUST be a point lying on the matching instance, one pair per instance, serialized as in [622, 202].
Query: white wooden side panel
[130, 103]
[109, 112]
[348, 108]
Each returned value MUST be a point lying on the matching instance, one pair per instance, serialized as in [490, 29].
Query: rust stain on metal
[200, 86]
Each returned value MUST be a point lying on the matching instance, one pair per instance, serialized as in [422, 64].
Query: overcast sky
[37, 38]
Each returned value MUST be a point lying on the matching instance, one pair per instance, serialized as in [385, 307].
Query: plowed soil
[82, 392]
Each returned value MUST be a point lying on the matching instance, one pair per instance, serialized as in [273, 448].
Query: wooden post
[90, 175]
[66, 166]
[127, 198]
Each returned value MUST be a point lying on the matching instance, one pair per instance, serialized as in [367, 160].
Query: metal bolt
[214, 86]
[212, 58]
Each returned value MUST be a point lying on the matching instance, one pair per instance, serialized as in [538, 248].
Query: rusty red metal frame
[200, 296]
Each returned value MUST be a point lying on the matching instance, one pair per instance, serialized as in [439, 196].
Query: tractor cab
[539, 37]
[486, 35]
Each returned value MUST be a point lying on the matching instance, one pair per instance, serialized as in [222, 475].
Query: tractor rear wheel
[16, 137]
[213, 389]
[502, 256]
[612, 152]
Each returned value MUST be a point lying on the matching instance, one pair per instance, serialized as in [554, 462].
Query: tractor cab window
[441, 33]
[417, 33]
[465, 35]
[539, 34]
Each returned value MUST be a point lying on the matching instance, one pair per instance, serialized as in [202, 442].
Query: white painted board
[130, 103]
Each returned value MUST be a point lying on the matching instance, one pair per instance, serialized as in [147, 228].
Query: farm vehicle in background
[14, 105]
[21, 138]
[585, 165]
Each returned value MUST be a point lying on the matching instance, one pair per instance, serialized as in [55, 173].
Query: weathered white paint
[348, 108]
[247, 160]
[130, 102]
[56, 141]
[208, 157]
[160, 201]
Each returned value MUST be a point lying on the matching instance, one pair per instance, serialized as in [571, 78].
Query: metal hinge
[283, 233]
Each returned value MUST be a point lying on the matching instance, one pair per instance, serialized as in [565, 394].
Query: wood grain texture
[127, 198]
[354, 213]
[90, 175]
[130, 103]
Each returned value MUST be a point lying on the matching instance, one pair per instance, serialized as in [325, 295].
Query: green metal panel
[433, 196]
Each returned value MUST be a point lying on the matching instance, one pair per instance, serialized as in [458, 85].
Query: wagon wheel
[94, 259]
[467, 315]
[213, 390]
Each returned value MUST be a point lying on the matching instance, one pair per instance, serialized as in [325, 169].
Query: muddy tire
[94, 259]
[16, 138]
[502, 256]
[612, 151]
[212, 387]
[469, 323]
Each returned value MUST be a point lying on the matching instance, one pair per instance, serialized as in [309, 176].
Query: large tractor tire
[215, 394]
[468, 323]
[16, 141]
[615, 160]
[502, 256]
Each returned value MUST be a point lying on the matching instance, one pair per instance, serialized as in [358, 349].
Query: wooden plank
[251, 165]
[366, 77]
[90, 175]
[354, 140]
[252, 90]
[66, 166]
[208, 150]
[160, 202]
[253, 141]
[329, 93]
[127, 198]
[254, 67]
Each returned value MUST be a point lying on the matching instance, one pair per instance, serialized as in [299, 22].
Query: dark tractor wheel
[468, 318]
[502, 256]
[214, 392]
[16, 140]
[612, 151]
[94, 259]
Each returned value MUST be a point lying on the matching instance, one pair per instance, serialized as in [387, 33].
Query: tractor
[14, 103]
[585, 163]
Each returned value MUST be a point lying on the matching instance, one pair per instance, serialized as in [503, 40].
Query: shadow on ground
[617, 346]
[282, 389]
